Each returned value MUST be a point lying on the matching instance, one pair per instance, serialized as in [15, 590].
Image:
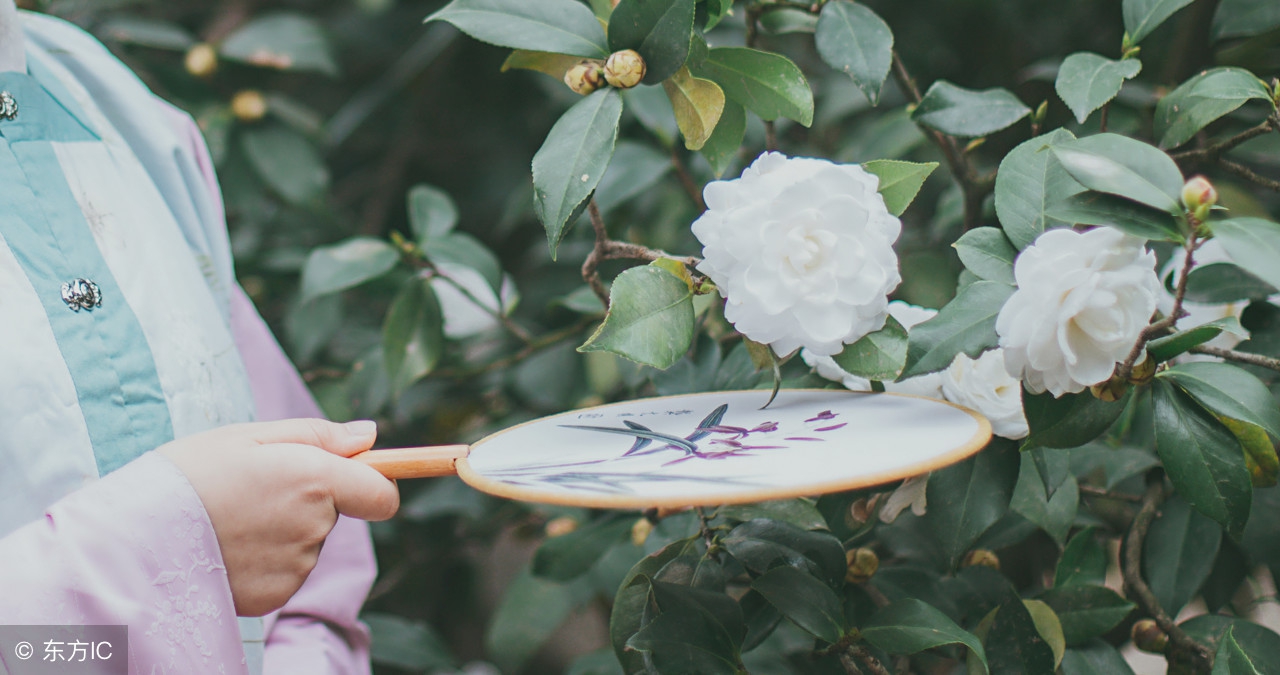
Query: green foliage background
[363, 102]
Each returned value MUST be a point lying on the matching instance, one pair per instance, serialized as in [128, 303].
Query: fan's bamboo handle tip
[425, 462]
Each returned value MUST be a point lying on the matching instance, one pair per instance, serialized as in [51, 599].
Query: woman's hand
[273, 490]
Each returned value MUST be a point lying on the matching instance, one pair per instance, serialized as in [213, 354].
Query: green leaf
[1086, 611]
[634, 169]
[570, 555]
[717, 10]
[1260, 643]
[348, 263]
[1252, 243]
[1015, 643]
[1259, 453]
[1029, 182]
[1231, 659]
[1243, 18]
[412, 335]
[632, 598]
[1203, 99]
[697, 104]
[877, 356]
[1115, 464]
[900, 181]
[1143, 16]
[1229, 391]
[987, 252]
[463, 249]
[691, 635]
[909, 626]
[530, 612]
[432, 212]
[1202, 457]
[146, 32]
[559, 26]
[968, 113]
[285, 41]
[572, 159]
[286, 161]
[1095, 658]
[1054, 514]
[1220, 283]
[1070, 420]
[1178, 553]
[1122, 166]
[1087, 81]
[547, 63]
[784, 20]
[799, 512]
[406, 644]
[722, 147]
[659, 29]
[650, 318]
[1099, 208]
[966, 325]
[761, 544]
[768, 84]
[805, 601]
[1169, 346]
[1083, 562]
[854, 40]
[967, 498]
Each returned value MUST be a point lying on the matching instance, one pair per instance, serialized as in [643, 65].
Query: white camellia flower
[1083, 299]
[802, 250]
[928, 385]
[984, 385]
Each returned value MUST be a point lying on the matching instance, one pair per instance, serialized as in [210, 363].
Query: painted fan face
[719, 448]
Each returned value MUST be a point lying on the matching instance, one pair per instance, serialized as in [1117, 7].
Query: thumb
[340, 439]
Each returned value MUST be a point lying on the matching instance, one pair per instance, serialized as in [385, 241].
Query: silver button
[8, 106]
[81, 294]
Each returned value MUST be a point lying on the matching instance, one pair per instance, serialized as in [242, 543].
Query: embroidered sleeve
[133, 548]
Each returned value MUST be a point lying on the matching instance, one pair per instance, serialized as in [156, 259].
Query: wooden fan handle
[425, 462]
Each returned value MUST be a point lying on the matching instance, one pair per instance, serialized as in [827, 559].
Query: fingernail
[362, 427]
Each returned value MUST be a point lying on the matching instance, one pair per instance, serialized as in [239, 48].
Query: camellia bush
[1082, 246]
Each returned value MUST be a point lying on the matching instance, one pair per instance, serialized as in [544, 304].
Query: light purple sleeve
[135, 548]
[318, 630]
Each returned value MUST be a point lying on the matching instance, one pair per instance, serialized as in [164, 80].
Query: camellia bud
[625, 69]
[1148, 637]
[1143, 371]
[1111, 390]
[862, 565]
[201, 60]
[585, 77]
[983, 557]
[1199, 195]
[558, 527]
[248, 105]
[640, 531]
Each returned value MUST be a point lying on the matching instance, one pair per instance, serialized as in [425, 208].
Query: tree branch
[1158, 328]
[1241, 357]
[686, 179]
[1181, 646]
[611, 249]
[1193, 158]
[1248, 174]
[868, 661]
[975, 186]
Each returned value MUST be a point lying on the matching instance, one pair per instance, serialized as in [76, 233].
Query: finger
[340, 439]
[361, 492]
